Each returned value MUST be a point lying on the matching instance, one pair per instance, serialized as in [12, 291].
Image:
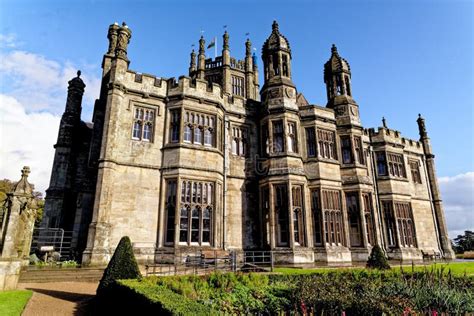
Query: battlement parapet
[384, 134]
[210, 63]
[144, 83]
[198, 88]
[237, 64]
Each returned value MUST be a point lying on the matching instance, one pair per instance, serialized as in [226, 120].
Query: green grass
[457, 268]
[12, 303]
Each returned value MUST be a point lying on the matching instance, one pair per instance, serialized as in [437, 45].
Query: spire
[337, 76]
[225, 37]
[422, 127]
[275, 27]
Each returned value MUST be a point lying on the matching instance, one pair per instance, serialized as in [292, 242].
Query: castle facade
[211, 161]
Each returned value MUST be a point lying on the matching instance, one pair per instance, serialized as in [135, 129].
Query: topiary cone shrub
[377, 259]
[123, 265]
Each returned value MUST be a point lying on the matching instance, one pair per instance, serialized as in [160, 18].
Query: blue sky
[406, 56]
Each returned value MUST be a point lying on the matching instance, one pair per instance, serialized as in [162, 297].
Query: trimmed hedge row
[364, 292]
[132, 297]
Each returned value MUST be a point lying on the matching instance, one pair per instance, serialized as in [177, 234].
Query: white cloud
[41, 83]
[33, 90]
[9, 40]
[26, 139]
[458, 198]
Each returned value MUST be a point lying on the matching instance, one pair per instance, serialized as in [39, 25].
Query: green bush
[357, 292]
[377, 259]
[123, 265]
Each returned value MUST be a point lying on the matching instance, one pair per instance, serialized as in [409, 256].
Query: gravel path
[59, 298]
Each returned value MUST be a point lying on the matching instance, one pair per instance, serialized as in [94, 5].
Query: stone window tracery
[278, 141]
[396, 166]
[326, 142]
[381, 163]
[281, 212]
[310, 142]
[316, 210]
[389, 221]
[333, 224]
[406, 229]
[292, 139]
[196, 210]
[199, 129]
[298, 222]
[238, 86]
[415, 171]
[143, 124]
[346, 150]
[369, 221]
[353, 213]
[240, 141]
[170, 207]
[359, 150]
[175, 121]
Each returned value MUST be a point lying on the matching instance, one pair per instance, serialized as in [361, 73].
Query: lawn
[12, 303]
[457, 268]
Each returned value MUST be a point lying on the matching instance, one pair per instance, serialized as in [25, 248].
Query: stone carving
[18, 221]
[112, 36]
[421, 126]
[225, 41]
[124, 35]
[289, 92]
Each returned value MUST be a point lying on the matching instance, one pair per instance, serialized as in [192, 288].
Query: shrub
[123, 265]
[377, 259]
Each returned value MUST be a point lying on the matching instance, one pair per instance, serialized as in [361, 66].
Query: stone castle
[211, 161]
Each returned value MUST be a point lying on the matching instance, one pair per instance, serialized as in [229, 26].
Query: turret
[58, 212]
[337, 74]
[276, 55]
[72, 113]
[278, 90]
[435, 192]
[337, 77]
[201, 59]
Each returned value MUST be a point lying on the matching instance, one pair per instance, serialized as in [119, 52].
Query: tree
[123, 265]
[377, 259]
[464, 242]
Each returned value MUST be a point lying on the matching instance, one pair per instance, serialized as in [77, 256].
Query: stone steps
[61, 275]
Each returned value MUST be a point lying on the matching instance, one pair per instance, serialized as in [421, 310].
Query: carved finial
[192, 64]
[123, 39]
[78, 73]
[333, 49]
[275, 26]
[248, 48]
[202, 44]
[225, 41]
[422, 126]
[384, 122]
[25, 172]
